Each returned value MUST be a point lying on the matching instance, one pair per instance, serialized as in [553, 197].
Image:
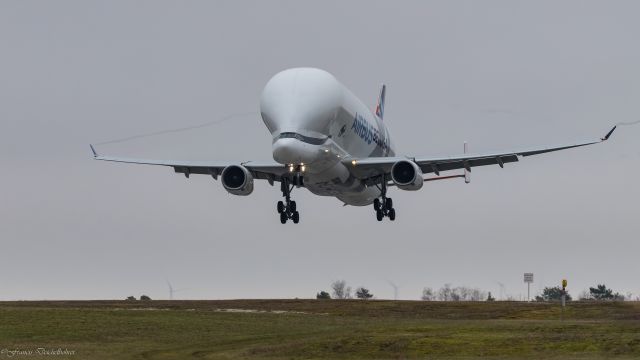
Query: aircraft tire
[283, 218]
[296, 217]
[293, 206]
[389, 204]
[376, 204]
[379, 215]
[280, 207]
[392, 214]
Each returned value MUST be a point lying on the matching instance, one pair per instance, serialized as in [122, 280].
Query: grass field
[290, 329]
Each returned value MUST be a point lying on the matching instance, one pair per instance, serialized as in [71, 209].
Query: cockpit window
[307, 139]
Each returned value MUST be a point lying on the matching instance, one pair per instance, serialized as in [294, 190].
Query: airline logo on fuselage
[368, 133]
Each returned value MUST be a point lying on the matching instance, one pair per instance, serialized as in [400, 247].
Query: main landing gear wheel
[384, 205]
[389, 204]
[288, 208]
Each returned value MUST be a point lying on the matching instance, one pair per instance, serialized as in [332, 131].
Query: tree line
[600, 292]
[340, 290]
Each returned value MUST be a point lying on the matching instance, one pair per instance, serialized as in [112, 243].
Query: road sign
[528, 277]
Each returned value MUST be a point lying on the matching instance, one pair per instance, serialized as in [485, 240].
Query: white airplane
[329, 142]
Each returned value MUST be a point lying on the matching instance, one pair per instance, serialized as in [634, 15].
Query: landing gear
[376, 204]
[389, 204]
[384, 205]
[287, 209]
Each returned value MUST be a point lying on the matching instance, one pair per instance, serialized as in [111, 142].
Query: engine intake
[407, 175]
[237, 180]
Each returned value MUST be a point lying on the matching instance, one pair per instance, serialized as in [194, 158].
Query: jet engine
[407, 175]
[237, 180]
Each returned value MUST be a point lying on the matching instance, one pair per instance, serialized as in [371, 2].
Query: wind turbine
[502, 291]
[172, 290]
[395, 289]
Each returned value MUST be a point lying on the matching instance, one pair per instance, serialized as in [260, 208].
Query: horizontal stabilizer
[380, 104]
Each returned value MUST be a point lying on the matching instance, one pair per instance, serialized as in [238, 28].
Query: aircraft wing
[370, 168]
[270, 171]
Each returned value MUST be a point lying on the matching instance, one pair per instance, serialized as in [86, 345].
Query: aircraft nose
[293, 151]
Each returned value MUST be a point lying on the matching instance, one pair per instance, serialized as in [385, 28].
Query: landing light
[290, 168]
[353, 162]
[302, 168]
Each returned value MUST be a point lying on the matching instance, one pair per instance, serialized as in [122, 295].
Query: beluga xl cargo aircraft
[328, 141]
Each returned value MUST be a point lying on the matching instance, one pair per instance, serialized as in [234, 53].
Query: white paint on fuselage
[311, 116]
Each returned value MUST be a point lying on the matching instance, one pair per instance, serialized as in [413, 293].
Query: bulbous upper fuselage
[308, 111]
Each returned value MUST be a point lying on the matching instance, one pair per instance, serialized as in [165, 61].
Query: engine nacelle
[237, 180]
[407, 175]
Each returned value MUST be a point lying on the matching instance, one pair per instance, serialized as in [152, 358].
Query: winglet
[95, 154]
[606, 137]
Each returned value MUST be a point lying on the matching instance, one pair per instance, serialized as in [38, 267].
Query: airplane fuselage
[316, 123]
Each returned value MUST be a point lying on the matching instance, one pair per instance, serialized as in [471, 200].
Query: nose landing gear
[287, 209]
[383, 206]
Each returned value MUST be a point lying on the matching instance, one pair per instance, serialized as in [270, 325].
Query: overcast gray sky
[499, 74]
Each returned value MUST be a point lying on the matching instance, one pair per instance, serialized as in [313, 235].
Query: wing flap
[437, 165]
[376, 166]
